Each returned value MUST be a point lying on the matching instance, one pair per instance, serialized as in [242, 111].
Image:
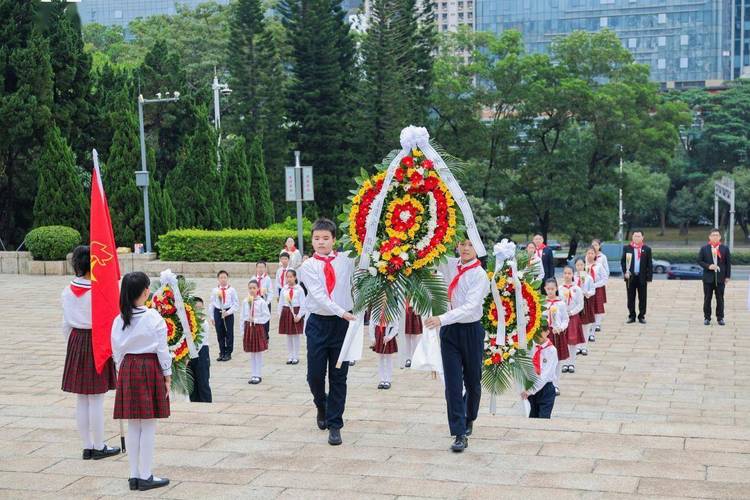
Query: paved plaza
[661, 410]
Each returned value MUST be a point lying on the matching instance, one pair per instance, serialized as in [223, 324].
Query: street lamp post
[218, 88]
[621, 223]
[141, 176]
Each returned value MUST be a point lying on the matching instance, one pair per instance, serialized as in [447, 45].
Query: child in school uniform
[224, 303]
[602, 260]
[598, 274]
[384, 344]
[144, 366]
[255, 318]
[535, 262]
[557, 324]
[584, 281]
[412, 331]
[462, 340]
[328, 278]
[201, 366]
[541, 396]
[572, 295]
[80, 376]
[281, 273]
[264, 280]
[292, 316]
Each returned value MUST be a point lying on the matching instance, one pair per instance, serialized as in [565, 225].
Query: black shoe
[598, 328]
[334, 437]
[107, 451]
[630, 320]
[592, 338]
[721, 322]
[706, 322]
[86, 455]
[320, 419]
[642, 321]
[386, 385]
[221, 358]
[460, 444]
[584, 352]
[254, 381]
[564, 369]
[557, 391]
[227, 357]
[380, 385]
[295, 361]
[289, 361]
[571, 369]
[469, 427]
[133, 483]
[352, 363]
[151, 483]
[408, 363]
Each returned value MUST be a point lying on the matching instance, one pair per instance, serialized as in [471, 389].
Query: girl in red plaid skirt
[292, 315]
[80, 376]
[144, 364]
[384, 344]
[255, 318]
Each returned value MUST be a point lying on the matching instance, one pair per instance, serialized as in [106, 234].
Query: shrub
[228, 245]
[290, 224]
[52, 242]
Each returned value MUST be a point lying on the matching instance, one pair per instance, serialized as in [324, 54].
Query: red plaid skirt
[287, 326]
[604, 294]
[79, 375]
[560, 341]
[384, 347]
[413, 323]
[587, 315]
[575, 330]
[141, 392]
[254, 339]
[598, 299]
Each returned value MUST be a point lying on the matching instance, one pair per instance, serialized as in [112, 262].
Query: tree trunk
[663, 221]
[683, 229]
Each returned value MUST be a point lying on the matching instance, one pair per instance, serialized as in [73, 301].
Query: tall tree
[195, 184]
[60, 198]
[25, 112]
[163, 215]
[322, 58]
[261, 196]
[238, 185]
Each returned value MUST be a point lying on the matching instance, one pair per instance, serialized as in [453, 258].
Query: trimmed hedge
[228, 245]
[52, 242]
[290, 224]
[739, 257]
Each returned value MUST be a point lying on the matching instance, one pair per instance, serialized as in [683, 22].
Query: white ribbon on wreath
[418, 137]
[168, 278]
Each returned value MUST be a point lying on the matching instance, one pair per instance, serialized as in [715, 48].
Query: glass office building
[121, 12]
[684, 42]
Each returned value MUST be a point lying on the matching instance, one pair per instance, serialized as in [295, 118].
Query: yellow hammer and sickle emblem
[102, 260]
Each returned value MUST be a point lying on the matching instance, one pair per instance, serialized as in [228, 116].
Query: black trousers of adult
[462, 348]
[201, 368]
[542, 402]
[637, 284]
[224, 332]
[709, 289]
[325, 336]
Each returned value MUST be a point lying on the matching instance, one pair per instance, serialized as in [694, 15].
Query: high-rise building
[451, 14]
[684, 42]
[121, 12]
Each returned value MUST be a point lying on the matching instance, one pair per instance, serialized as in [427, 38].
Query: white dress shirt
[602, 260]
[257, 312]
[298, 298]
[265, 284]
[586, 284]
[548, 365]
[557, 318]
[76, 310]
[317, 301]
[232, 303]
[146, 333]
[572, 295]
[467, 302]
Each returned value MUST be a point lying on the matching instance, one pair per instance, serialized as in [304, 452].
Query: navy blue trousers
[325, 336]
[542, 402]
[462, 348]
[224, 332]
[201, 368]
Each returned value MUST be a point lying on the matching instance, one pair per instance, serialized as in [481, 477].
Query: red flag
[105, 272]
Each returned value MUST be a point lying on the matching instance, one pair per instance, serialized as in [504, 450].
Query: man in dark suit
[638, 271]
[545, 253]
[716, 262]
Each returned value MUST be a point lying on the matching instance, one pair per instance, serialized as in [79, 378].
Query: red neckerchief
[538, 355]
[570, 294]
[540, 249]
[223, 290]
[716, 247]
[592, 272]
[462, 268]
[549, 311]
[293, 249]
[79, 289]
[283, 276]
[328, 270]
[638, 248]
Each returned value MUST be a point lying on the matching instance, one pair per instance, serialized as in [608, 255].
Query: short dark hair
[550, 280]
[197, 299]
[283, 254]
[260, 262]
[222, 272]
[568, 266]
[324, 224]
[81, 260]
[714, 230]
[253, 281]
[537, 234]
[636, 231]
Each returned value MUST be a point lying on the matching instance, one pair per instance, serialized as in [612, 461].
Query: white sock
[598, 320]
[257, 363]
[381, 366]
[411, 344]
[82, 420]
[96, 420]
[146, 451]
[133, 442]
[572, 358]
[388, 369]
[296, 340]
[290, 346]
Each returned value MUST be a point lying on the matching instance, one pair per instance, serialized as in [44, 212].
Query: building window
[662, 19]
[602, 22]
[445, 5]
[460, 5]
[445, 27]
[683, 62]
[683, 39]
[118, 14]
[445, 15]
[470, 4]
[632, 43]
[661, 63]
[662, 41]
[461, 15]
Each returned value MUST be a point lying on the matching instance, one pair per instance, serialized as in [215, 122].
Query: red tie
[328, 270]
[291, 296]
[537, 359]
[637, 248]
[461, 270]
[78, 290]
[716, 248]
[283, 275]
[592, 273]
[223, 295]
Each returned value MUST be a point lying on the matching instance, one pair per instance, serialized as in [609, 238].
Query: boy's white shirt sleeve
[549, 354]
[474, 305]
[317, 291]
[235, 301]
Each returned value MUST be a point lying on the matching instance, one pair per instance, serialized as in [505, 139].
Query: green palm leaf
[498, 379]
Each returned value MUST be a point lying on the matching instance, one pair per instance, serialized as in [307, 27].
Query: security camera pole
[141, 176]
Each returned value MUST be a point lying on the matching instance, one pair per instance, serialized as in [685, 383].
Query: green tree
[262, 206]
[60, 198]
[195, 184]
[163, 215]
[25, 113]
[239, 187]
[644, 194]
[683, 209]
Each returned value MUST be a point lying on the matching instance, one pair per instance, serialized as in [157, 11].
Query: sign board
[291, 194]
[307, 184]
[290, 182]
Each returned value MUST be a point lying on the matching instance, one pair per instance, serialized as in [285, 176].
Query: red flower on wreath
[427, 164]
[416, 179]
[399, 174]
[407, 161]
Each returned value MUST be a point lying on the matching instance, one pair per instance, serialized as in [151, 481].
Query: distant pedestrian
[638, 271]
[716, 262]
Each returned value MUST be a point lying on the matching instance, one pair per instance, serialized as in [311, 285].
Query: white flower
[404, 256]
[372, 271]
[375, 255]
[404, 216]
